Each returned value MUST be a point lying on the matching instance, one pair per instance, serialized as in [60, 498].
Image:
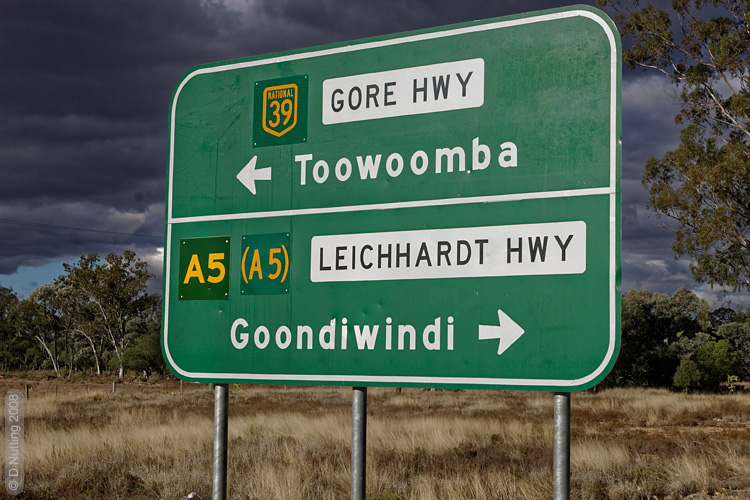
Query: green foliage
[688, 376]
[41, 319]
[645, 325]
[716, 360]
[701, 189]
[92, 314]
[731, 381]
[723, 315]
[104, 297]
[656, 331]
[8, 302]
[679, 341]
[738, 336]
[688, 347]
[144, 354]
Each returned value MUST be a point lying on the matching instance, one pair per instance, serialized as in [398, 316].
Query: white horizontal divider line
[396, 205]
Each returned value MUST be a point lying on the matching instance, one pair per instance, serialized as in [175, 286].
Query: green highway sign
[438, 208]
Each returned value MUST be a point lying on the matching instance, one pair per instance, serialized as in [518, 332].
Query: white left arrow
[250, 174]
[508, 332]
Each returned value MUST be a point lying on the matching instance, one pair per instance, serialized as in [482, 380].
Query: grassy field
[155, 441]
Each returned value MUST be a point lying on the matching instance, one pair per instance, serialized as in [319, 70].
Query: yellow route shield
[280, 109]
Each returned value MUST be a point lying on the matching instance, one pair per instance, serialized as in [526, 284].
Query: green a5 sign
[265, 264]
[204, 264]
[438, 208]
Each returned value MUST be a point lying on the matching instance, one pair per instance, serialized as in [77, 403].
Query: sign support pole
[221, 403]
[561, 447]
[359, 441]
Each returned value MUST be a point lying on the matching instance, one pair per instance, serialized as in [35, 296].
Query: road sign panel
[435, 208]
[265, 264]
[203, 268]
[280, 111]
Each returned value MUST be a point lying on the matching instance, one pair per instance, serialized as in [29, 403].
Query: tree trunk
[56, 358]
[96, 354]
[46, 349]
[118, 353]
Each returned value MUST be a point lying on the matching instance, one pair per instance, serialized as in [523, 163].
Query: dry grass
[294, 443]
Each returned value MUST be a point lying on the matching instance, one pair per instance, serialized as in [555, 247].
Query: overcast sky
[84, 100]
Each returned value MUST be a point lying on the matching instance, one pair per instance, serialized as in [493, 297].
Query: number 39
[286, 109]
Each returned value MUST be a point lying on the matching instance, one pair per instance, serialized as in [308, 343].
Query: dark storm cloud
[84, 101]
[85, 94]
[362, 18]
[648, 109]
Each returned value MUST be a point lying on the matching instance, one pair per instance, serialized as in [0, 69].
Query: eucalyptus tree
[701, 190]
[109, 294]
[8, 303]
[84, 324]
[41, 318]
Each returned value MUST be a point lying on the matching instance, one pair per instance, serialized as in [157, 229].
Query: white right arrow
[249, 174]
[508, 332]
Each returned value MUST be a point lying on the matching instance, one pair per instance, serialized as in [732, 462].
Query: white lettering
[303, 168]
[368, 168]
[287, 334]
[320, 171]
[449, 154]
[433, 344]
[419, 156]
[327, 336]
[465, 252]
[447, 160]
[476, 150]
[394, 158]
[402, 331]
[402, 92]
[344, 334]
[388, 333]
[343, 169]
[366, 336]
[450, 333]
[244, 337]
[508, 156]
[304, 330]
[262, 343]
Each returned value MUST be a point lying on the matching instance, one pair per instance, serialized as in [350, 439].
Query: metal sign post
[359, 442]
[221, 404]
[561, 447]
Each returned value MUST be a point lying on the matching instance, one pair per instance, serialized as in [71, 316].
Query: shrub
[688, 375]
[717, 360]
[738, 336]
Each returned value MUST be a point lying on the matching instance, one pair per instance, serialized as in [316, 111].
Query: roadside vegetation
[105, 419]
[155, 441]
[97, 318]
[680, 342]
